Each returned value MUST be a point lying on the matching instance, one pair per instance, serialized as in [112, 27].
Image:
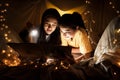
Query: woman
[49, 30]
[73, 34]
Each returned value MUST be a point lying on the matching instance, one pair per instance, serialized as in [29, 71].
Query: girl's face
[50, 25]
[67, 33]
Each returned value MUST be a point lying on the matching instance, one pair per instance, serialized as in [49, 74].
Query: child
[73, 34]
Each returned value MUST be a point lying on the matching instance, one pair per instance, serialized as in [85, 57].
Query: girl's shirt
[80, 40]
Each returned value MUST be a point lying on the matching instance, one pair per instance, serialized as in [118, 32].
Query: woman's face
[67, 33]
[50, 25]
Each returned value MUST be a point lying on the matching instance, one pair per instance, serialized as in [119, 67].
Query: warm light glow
[11, 62]
[4, 19]
[76, 9]
[3, 51]
[6, 38]
[114, 73]
[2, 11]
[113, 7]
[5, 10]
[87, 2]
[93, 21]
[11, 50]
[31, 62]
[5, 35]
[56, 68]
[115, 40]
[9, 40]
[6, 27]
[118, 31]
[1, 28]
[118, 63]
[49, 60]
[6, 4]
[9, 32]
[1, 20]
[110, 3]
[34, 32]
[1, 16]
[3, 24]
[36, 66]
[8, 55]
[25, 64]
[117, 11]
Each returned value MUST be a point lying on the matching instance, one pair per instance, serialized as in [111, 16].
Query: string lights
[89, 22]
[4, 27]
[10, 57]
[112, 5]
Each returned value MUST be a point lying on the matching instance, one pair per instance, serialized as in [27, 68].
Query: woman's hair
[72, 20]
[55, 36]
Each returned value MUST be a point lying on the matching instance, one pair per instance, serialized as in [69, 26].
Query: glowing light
[2, 11]
[1, 28]
[56, 68]
[6, 38]
[8, 55]
[113, 7]
[118, 63]
[6, 4]
[88, 36]
[110, 3]
[117, 11]
[93, 21]
[85, 13]
[3, 51]
[49, 61]
[9, 32]
[64, 66]
[5, 35]
[118, 31]
[5, 10]
[114, 73]
[36, 66]
[9, 40]
[87, 2]
[6, 27]
[33, 32]
[4, 19]
[31, 62]
[3, 25]
[11, 50]
[76, 9]
[88, 11]
[1, 16]
[25, 64]
[1, 20]
[11, 62]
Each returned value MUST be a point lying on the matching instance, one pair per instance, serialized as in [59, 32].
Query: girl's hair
[50, 13]
[72, 20]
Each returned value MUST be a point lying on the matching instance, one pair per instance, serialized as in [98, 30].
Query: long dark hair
[72, 20]
[55, 36]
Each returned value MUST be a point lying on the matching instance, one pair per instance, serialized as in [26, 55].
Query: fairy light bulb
[3, 51]
[110, 3]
